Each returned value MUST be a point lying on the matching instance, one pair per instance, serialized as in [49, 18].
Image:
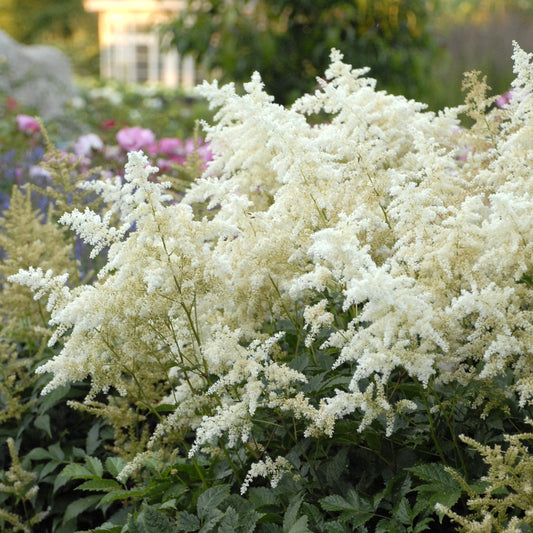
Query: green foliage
[351, 482]
[48, 436]
[439, 486]
[59, 17]
[62, 23]
[289, 44]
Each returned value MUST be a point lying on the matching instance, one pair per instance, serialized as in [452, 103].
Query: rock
[37, 76]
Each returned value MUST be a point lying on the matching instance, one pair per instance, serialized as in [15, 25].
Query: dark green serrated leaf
[229, 522]
[261, 497]
[433, 472]
[38, 454]
[300, 526]
[249, 521]
[387, 525]
[440, 487]
[402, 511]
[352, 503]
[336, 527]
[79, 506]
[187, 522]
[150, 520]
[56, 452]
[76, 471]
[291, 514]
[77, 452]
[104, 529]
[434, 496]
[59, 482]
[314, 514]
[104, 485]
[48, 468]
[353, 508]
[122, 494]
[335, 467]
[92, 442]
[114, 465]
[95, 466]
[423, 525]
[53, 398]
[335, 502]
[213, 518]
[361, 518]
[211, 499]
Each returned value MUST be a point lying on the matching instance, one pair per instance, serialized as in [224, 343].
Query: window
[141, 63]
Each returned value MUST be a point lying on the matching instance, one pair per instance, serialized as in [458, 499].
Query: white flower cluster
[429, 254]
[267, 468]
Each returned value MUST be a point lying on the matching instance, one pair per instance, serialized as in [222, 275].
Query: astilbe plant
[506, 503]
[34, 442]
[370, 236]
[21, 485]
[27, 239]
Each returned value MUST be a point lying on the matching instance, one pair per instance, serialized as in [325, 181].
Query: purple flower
[39, 173]
[27, 124]
[135, 138]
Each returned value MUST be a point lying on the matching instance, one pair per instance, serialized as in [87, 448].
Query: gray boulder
[37, 76]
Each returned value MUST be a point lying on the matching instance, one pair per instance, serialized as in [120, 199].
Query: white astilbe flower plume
[368, 236]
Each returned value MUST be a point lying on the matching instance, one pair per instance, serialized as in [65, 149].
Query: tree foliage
[58, 17]
[289, 42]
[61, 23]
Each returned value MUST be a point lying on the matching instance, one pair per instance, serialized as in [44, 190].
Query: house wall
[130, 47]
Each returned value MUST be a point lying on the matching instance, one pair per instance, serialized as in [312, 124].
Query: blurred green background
[418, 48]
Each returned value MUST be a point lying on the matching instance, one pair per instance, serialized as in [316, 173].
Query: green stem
[231, 463]
[196, 466]
[431, 423]
[450, 423]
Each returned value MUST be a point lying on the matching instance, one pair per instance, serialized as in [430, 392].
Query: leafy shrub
[289, 43]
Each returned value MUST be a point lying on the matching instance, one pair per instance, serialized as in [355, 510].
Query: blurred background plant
[418, 48]
[289, 42]
[60, 23]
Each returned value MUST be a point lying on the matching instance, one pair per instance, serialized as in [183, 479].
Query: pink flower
[170, 146]
[201, 148]
[135, 138]
[87, 143]
[504, 99]
[205, 152]
[27, 124]
[189, 146]
[165, 165]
